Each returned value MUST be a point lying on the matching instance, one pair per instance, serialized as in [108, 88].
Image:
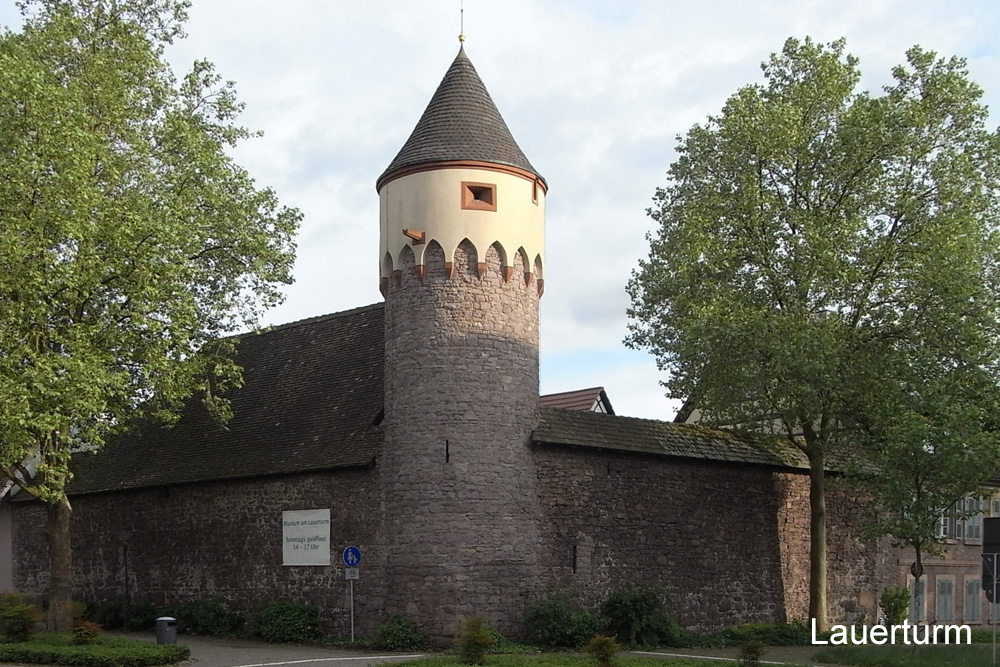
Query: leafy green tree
[925, 448]
[129, 240]
[825, 268]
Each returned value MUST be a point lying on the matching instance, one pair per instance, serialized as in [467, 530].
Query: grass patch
[563, 660]
[57, 649]
[954, 655]
[983, 636]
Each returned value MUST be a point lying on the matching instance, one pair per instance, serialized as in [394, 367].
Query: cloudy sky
[594, 91]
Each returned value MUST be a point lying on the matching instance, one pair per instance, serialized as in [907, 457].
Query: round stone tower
[462, 251]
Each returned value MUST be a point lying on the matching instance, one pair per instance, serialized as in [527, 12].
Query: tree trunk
[817, 539]
[60, 565]
[917, 567]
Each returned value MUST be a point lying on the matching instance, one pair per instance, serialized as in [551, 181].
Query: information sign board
[305, 537]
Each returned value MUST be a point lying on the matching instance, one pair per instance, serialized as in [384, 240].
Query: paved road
[215, 652]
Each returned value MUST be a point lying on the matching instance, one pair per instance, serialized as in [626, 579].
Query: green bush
[109, 614]
[636, 616]
[474, 640]
[751, 651]
[556, 622]
[121, 615]
[210, 616]
[57, 649]
[17, 617]
[85, 632]
[769, 634]
[285, 621]
[400, 634]
[603, 649]
[895, 603]
[502, 644]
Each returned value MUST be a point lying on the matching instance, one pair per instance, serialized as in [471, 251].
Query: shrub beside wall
[18, 618]
[634, 615]
[401, 634]
[210, 616]
[475, 639]
[121, 615]
[637, 617]
[558, 622]
[285, 621]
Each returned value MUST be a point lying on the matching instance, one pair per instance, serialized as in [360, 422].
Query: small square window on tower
[479, 196]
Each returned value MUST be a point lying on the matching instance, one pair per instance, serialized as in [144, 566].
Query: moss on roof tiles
[648, 436]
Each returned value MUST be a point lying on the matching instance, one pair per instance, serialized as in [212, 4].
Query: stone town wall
[731, 543]
[461, 391]
[857, 569]
[214, 539]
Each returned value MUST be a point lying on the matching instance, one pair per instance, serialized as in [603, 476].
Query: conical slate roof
[460, 123]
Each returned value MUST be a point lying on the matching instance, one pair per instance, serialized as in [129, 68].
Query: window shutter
[974, 524]
[945, 600]
[957, 522]
[972, 603]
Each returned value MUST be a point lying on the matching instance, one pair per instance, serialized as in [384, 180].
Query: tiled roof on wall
[581, 399]
[461, 122]
[312, 391]
[312, 396]
[648, 436]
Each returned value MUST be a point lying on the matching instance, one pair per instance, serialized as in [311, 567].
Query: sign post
[352, 559]
[991, 571]
[990, 585]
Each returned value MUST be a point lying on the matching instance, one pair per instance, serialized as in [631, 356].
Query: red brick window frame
[479, 196]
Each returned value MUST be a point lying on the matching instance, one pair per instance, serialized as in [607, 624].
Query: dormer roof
[594, 399]
[461, 123]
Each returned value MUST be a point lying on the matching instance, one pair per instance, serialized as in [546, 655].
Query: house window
[956, 524]
[964, 520]
[945, 600]
[479, 196]
[974, 519]
[942, 527]
[917, 600]
[972, 604]
[996, 507]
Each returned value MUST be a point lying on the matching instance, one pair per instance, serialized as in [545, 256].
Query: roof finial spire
[461, 14]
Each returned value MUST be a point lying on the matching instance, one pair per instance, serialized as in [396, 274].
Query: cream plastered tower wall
[429, 204]
[461, 253]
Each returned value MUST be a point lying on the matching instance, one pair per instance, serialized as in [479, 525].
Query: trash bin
[166, 630]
